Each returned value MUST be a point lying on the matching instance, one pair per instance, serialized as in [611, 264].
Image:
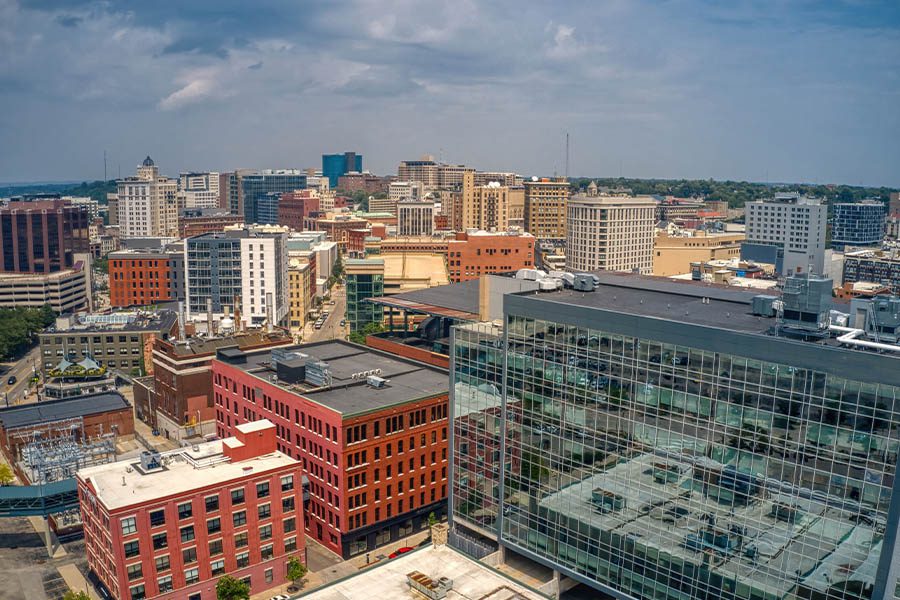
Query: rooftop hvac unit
[376, 381]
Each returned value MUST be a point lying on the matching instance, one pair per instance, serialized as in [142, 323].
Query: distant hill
[736, 193]
[95, 189]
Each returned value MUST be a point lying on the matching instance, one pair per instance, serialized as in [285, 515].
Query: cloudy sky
[780, 90]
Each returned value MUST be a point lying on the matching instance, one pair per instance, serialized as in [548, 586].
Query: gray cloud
[692, 88]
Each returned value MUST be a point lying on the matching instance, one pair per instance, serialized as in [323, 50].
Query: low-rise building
[369, 428]
[873, 266]
[337, 226]
[295, 208]
[65, 291]
[673, 254]
[362, 182]
[146, 277]
[476, 253]
[169, 526]
[198, 221]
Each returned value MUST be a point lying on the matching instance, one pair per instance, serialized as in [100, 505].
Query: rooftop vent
[376, 382]
[150, 461]
[436, 589]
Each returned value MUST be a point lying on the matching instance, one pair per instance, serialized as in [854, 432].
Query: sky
[759, 90]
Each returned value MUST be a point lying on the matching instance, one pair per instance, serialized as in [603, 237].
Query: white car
[280, 597]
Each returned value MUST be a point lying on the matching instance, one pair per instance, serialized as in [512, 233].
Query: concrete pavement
[22, 369]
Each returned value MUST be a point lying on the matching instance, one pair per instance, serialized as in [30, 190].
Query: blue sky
[789, 90]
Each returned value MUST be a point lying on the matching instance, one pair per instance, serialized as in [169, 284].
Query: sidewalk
[76, 581]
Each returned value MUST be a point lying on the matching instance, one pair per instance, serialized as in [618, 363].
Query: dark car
[12, 380]
[400, 551]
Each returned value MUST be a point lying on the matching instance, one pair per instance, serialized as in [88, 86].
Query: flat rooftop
[58, 410]
[125, 321]
[388, 580]
[123, 483]
[204, 345]
[407, 380]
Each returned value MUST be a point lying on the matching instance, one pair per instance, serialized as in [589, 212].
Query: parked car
[343, 322]
[400, 551]
[280, 597]
[12, 380]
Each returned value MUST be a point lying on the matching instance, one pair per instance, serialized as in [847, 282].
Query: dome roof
[148, 162]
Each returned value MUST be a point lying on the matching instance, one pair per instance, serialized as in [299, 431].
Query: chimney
[238, 326]
[181, 336]
[270, 313]
[209, 317]
[484, 298]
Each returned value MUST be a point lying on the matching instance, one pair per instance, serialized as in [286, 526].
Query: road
[22, 370]
[331, 329]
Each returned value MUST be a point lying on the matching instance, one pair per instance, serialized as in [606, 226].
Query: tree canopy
[229, 588]
[18, 326]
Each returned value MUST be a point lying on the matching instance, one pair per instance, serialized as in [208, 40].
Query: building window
[264, 511]
[243, 560]
[237, 496]
[239, 518]
[262, 489]
[215, 547]
[214, 525]
[160, 541]
[290, 544]
[265, 532]
[132, 549]
[212, 503]
[157, 517]
[165, 584]
[287, 483]
[266, 552]
[191, 576]
[134, 571]
[187, 533]
[189, 555]
[129, 525]
[185, 510]
[287, 504]
[162, 563]
[241, 539]
[137, 592]
[217, 567]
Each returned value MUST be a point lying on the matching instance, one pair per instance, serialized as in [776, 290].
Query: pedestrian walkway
[76, 581]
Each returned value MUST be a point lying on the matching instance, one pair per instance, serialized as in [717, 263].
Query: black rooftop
[57, 410]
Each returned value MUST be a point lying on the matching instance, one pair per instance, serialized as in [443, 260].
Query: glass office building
[364, 280]
[335, 165]
[659, 441]
[858, 223]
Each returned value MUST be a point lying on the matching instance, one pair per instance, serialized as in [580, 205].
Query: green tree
[432, 519]
[6, 474]
[76, 595]
[296, 570]
[338, 268]
[359, 337]
[229, 588]
[102, 265]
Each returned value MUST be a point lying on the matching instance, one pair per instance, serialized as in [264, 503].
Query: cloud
[192, 93]
[564, 44]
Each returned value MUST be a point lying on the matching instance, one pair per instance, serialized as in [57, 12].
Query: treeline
[736, 193]
[18, 327]
[94, 189]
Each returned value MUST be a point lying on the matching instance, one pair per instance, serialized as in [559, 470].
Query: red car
[400, 551]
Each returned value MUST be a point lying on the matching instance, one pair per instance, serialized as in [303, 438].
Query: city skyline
[760, 92]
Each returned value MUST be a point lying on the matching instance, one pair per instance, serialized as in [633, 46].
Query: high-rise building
[336, 165]
[611, 233]
[545, 208]
[401, 190]
[415, 217]
[253, 187]
[170, 525]
[662, 440]
[246, 265]
[858, 223]
[370, 429]
[199, 190]
[295, 208]
[42, 236]
[146, 277]
[364, 279]
[484, 206]
[148, 203]
[789, 228]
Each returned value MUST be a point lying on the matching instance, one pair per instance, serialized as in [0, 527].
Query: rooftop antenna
[567, 156]
[104, 166]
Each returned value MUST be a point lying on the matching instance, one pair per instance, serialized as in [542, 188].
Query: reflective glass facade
[663, 470]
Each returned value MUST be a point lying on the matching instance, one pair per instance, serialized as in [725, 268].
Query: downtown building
[143, 277]
[147, 203]
[546, 201]
[787, 231]
[610, 233]
[334, 166]
[199, 190]
[252, 189]
[858, 223]
[168, 526]
[659, 440]
[369, 428]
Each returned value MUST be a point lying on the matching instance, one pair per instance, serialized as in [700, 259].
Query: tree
[6, 474]
[338, 268]
[76, 595]
[432, 519]
[359, 337]
[102, 265]
[296, 570]
[229, 588]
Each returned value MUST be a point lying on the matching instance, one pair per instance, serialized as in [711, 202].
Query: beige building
[545, 208]
[301, 292]
[613, 233]
[673, 254]
[415, 217]
[485, 206]
[148, 203]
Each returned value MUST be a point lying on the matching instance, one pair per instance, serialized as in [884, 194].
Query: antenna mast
[567, 156]
[104, 167]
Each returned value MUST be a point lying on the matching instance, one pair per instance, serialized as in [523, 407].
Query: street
[337, 312]
[23, 370]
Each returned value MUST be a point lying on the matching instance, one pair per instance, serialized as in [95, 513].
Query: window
[185, 510]
[290, 525]
[237, 496]
[287, 504]
[239, 518]
[195, 597]
[287, 483]
[187, 533]
[129, 525]
[262, 489]
[137, 592]
[212, 503]
[132, 549]
[243, 560]
[240, 539]
[134, 571]
[162, 563]
[191, 576]
[214, 525]
[265, 532]
[264, 511]
[160, 541]
[157, 517]
[189, 555]
[217, 567]
[215, 547]
[165, 584]
[266, 552]
[290, 544]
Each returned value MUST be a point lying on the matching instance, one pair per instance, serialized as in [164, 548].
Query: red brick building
[337, 228]
[472, 255]
[363, 182]
[168, 526]
[297, 206]
[374, 449]
[141, 278]
[200, 221]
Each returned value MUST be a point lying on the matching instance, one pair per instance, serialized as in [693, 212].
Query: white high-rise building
[612, 233]
[415, 217]
[198, 190]
[147, 203]
[793, 223]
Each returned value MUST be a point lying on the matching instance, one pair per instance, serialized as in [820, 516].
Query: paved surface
[23, 370]
[331, 329]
